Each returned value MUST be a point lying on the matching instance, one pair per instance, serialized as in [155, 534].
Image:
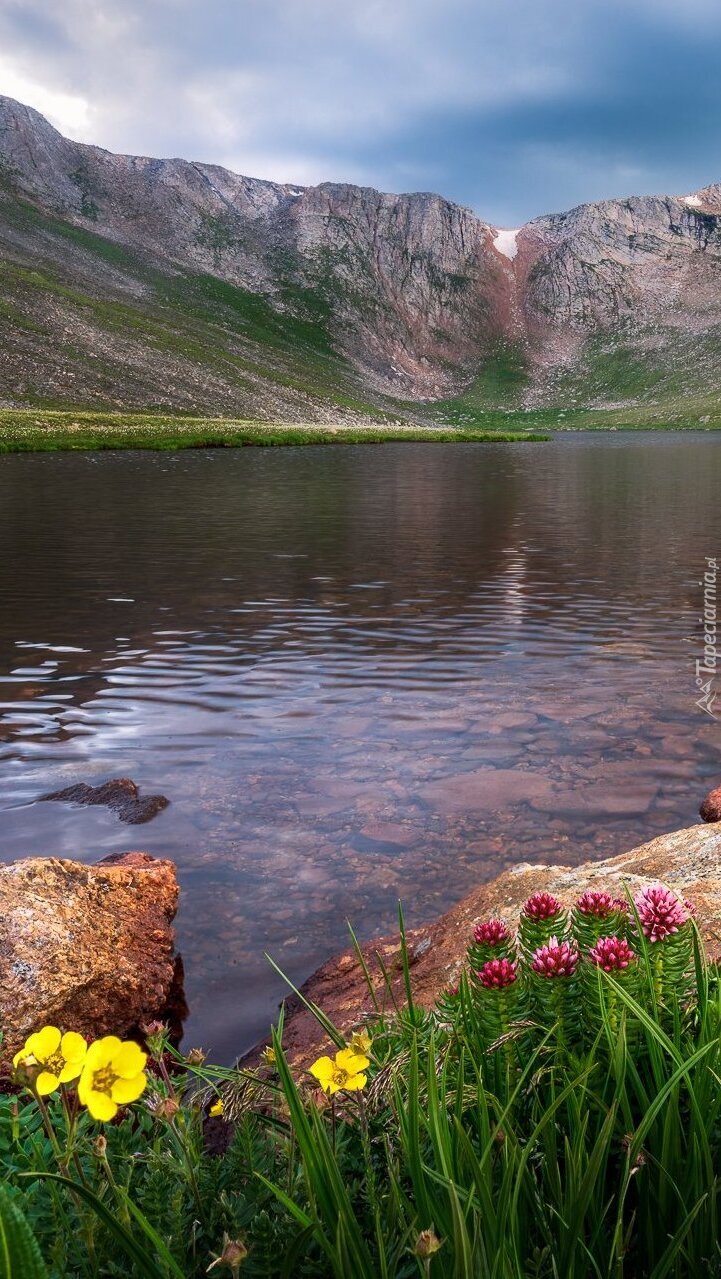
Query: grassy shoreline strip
[28, 431]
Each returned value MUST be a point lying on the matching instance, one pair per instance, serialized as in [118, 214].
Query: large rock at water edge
[688, 861]
[87, 948]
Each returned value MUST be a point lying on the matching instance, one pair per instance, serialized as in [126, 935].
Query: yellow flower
[217, 1108]
[59, 1057]
[268, 1056]
[360, 1042]
[344, 1074]
[113, 1075]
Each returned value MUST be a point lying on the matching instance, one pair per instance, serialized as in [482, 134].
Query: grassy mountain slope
[137, 285]
[87, 322]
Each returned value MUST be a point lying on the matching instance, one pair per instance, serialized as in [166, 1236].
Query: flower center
[104, 1079]
[340, 1077]
[55, 1062]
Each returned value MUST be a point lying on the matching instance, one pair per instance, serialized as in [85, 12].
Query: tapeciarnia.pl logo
[706, 666]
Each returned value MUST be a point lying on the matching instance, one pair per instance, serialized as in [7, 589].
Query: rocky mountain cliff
[131, 281]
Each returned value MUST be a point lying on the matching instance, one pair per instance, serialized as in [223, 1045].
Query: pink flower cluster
[542, 906]
[557, 959]
[492, 932]
[498, 973]
[660, 911]
[599, 904]
[611, 954]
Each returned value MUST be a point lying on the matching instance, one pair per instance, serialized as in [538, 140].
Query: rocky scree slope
[127, 281]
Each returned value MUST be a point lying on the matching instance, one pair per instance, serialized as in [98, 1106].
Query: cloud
[69, 112]
[513, 108]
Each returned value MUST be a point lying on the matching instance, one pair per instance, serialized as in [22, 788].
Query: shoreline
[28, 430]
[38, 431]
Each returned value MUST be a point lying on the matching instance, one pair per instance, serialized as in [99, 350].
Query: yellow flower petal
[102, 1050]
[73, 1046]
[354, 1082]
[44, 1042]
[85, 1086]
[217, 1108]
[351, 1061]
[124, 1091]
[46, 1083]
[323, 1070]
[70, 1071]
[101, 1106]
[23, 1058]
[129, 1060]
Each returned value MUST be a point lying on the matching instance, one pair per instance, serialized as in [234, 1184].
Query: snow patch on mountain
[506, 242]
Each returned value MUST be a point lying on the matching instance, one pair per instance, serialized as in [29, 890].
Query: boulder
[710, 809]
[87, 948]
[687, 860]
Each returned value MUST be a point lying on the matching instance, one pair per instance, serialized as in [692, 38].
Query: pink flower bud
[557, 959]
[498, 973]
[599, 904]
[492, 932]
[660, 911]
[611, 954]
[542, 906]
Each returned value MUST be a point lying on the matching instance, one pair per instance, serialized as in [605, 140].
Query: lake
[357, 673]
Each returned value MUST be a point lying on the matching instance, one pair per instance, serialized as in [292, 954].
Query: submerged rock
[710, 809]
[120, 794]
[87, 948]
[687, 860]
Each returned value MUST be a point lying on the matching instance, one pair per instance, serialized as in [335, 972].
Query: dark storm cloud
[515, 108]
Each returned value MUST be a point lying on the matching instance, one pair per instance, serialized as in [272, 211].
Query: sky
[512, 107]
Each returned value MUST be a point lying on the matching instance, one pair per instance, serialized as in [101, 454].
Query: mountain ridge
[281, 299]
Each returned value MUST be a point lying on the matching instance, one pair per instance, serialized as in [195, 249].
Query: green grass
[498, 385]
[650, 379]
[529, 1126]
[41, 431]
[699, 412]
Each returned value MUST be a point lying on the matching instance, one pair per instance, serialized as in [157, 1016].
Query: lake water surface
[357, 673]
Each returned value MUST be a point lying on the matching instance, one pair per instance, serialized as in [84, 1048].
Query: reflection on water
[357, 674]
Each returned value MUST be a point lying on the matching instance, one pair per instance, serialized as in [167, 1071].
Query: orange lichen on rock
[90, 947]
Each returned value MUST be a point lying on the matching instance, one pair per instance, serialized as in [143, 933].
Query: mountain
[133, 282]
